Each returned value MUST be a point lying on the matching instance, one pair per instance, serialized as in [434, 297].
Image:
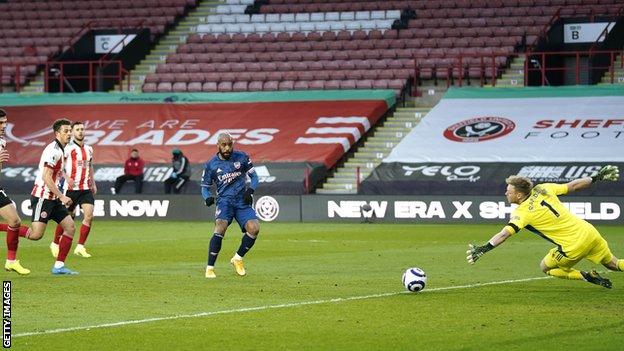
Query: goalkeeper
[540, 211]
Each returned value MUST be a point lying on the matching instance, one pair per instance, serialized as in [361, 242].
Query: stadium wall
[341, 208]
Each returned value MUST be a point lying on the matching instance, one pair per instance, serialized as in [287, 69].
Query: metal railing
[92, 68]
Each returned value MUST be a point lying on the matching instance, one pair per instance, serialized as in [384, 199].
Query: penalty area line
[269, 307]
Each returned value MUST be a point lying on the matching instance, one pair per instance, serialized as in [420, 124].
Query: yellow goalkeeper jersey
[543, 214]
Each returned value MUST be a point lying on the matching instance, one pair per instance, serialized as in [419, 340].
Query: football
[414, 279]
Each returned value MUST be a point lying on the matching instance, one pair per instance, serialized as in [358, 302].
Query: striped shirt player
[47, 201]
[541, 212]
[79, 187]
[228, 171]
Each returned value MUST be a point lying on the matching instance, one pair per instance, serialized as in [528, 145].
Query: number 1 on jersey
[546, 204]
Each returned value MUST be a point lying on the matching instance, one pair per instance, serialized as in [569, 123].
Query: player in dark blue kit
[228, 170]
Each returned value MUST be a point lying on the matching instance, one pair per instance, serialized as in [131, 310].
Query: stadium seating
[324, 44]
[33, 31]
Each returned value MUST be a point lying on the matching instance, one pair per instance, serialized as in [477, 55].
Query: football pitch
[310, 287]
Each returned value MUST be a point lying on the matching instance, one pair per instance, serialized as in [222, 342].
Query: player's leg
[224, 212]
[9, 212]
[54, 245]
[246, 218]
[85, 229]
[557, 265]
[138, 184]
[601, 253]
[61, 216]
[119, 182]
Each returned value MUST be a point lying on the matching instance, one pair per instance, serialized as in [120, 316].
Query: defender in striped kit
[79, 186]
[47, 200]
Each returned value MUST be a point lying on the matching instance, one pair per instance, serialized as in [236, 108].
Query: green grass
[143, 270]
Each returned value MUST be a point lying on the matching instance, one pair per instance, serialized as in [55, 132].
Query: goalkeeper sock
[214, 248]
[246, 244]
[566, 273]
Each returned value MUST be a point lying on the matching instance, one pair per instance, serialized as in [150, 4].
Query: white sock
[79, 247]
[10, 261]
[237, 257]
[209, 267]
[59, 264]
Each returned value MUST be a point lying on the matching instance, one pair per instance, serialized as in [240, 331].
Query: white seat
[259, 18]
[287, 17]
[213, 19]
[223, 9]
[293, 27]
[321, 26]
[302, 17]
[247, 28]
[353, 25]
[277, 27]
[217, 28]
[332, 16]
[378, 15]
[384, 24]
[317, 16]
[237, 8]
[393, 14]
[308, 26]
[347, 16]
[232, 28]
[228, 19]
[272, 17]
[262, 27]
[368, 25]
[335, 26]
[241, 18]
[204, 28]
[362, 15]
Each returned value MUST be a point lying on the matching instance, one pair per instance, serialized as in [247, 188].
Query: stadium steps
[618, 73]
[169, 44]
[35, 85]
[378, 145]
[514, 75]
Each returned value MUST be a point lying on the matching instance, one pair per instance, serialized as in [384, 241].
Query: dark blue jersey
[228, 175]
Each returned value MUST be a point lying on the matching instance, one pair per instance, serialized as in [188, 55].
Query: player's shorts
[228, 209]
[4, 199]
[43, 210]
[596, 250]
[79, 197]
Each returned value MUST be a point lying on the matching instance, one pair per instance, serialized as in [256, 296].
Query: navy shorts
[228, 209]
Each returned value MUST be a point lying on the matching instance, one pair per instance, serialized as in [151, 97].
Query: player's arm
[49, 182]
[475, 252]
[606, 173]
[92, 180]
[4, 156]
[206, 184]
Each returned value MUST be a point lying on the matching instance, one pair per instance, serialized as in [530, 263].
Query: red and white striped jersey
[52, 157]
[78, 161]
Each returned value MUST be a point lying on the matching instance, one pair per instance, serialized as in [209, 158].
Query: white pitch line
[267, 307]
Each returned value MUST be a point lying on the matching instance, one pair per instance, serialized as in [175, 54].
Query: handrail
[78, 35]
[90, 76]
[605, 31]
[17, 77]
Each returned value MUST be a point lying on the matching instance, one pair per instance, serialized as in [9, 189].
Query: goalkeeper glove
[247, 197]
[475, 252]
[209, 201]
[609, 172]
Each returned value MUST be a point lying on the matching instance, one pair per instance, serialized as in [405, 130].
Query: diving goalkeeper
[540, 211]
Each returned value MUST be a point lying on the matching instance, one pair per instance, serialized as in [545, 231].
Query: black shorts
[79, 197]
[43, 210]
[4, 199]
